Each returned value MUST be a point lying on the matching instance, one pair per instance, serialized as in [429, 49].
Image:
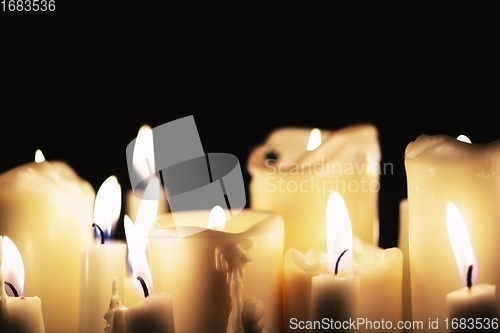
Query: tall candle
[18, 314]
[227, 277]
[294, 179]
[143, 161]
[473, 307]
[46, 209]
[441, 169]
[103, 262]
[379, 272]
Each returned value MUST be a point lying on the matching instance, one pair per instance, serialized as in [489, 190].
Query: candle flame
[137, 256]
[460, 242]
[314, 139]
[147, 212]
[338, 230]
[217, 218]
[143, 158]
[12, 267]
[108, 204]
[463, 138]
[39, 158]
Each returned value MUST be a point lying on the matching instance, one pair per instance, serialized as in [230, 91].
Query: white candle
[474, 306]
[46, 209]
[103, 262]
[143, 161]
[18, 314]
[293, 176]
[335, 295]
[441, 169]
[379, 272]
[228, 272]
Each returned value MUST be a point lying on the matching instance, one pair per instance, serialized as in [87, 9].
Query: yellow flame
[39, 158]
[217, 218]
[314, 139]
[143, 158]
[463, 138]
[137, 256]
[12, 264]
[460, 242]
[147, 212]
[338, 230]
[108, 204]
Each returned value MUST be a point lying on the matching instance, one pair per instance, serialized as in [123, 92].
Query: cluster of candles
[303, 255]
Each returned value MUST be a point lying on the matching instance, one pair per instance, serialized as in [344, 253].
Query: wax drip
[100, 231]
[469, 277]
[144, 286]
[11, 286]
[338, 261]
[232, 259]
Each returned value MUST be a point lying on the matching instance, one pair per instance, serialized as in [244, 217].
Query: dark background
[79, 95]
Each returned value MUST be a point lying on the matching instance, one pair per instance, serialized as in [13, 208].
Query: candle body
[334, 302]
[100, 265]
[21, 315]
[46, 209]
[297, 184]
[403, 245]
[189, 268]
[441, 169]
[474, 308]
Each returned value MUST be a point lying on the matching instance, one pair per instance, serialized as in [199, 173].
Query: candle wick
[338, 261]
[14, 290]
[469, 277]
[100, 231]
[144, 286]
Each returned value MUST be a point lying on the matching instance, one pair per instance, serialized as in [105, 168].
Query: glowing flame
[147, 212]
[108, 204]
[39, 158]
[217, 218]
[12, 267]
[314, 139]
[338, 230]
[463, 138]
[137, 256]
[460, 242]
[143, 158]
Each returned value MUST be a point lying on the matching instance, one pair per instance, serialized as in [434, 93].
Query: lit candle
[379, 272]
[334, 296]
[46, 209]
[154, 313]
[227, 277]
[146, 216]
[143, 161]
[442, 169]
[18, 314]
[296, 169]
[102, 262]
[474, 306]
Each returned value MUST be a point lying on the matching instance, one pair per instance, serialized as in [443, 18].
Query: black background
[79, 90]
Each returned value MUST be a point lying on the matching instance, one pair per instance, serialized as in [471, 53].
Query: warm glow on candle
[12, 266]
[338, 230]
[463, 138]
[460, 242]
[107, 205]
[314, 139]
[39, 156]
[217, 218]
[143, 158]
[137, 256]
